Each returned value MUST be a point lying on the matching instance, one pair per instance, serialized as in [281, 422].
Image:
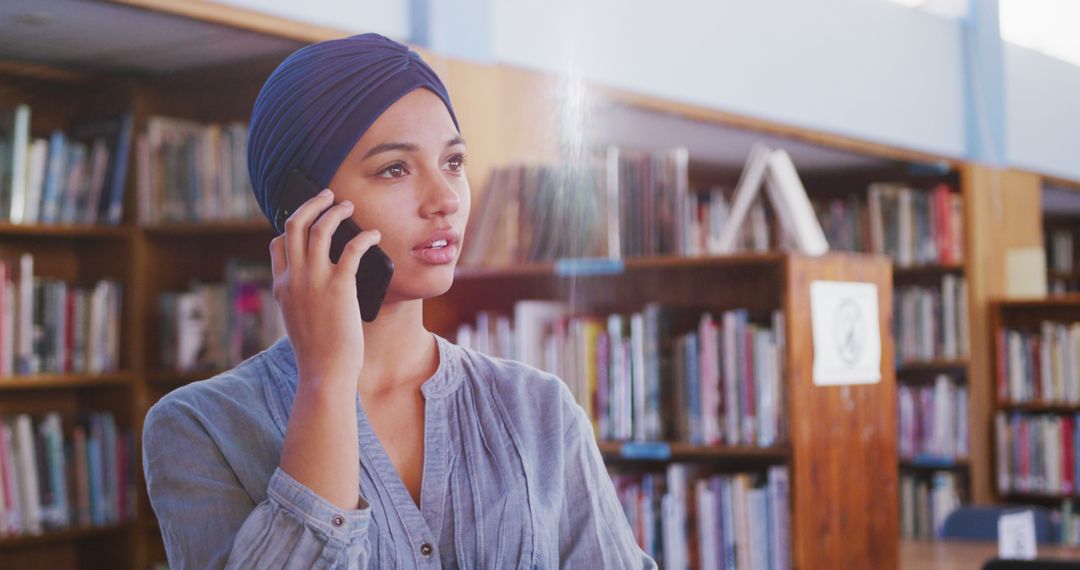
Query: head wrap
[320, 101]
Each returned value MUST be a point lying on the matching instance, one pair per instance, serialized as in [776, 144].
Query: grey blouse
[512, 477]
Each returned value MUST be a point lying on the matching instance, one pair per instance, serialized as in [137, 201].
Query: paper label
[847, 336]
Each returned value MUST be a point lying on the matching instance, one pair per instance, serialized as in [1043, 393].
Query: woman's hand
[318, 297]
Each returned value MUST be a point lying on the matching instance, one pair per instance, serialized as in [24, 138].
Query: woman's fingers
[323, 230]
[277, 256]
[298, 225]
[349, 262]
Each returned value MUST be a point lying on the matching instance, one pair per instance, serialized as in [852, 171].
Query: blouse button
[338, 520]
[426, 549]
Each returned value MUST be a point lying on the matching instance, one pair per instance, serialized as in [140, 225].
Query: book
[14, 141]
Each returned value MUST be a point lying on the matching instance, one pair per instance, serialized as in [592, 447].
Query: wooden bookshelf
[837, 476]
[1027, 315]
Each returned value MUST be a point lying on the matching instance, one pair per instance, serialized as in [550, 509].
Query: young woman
[351, 444]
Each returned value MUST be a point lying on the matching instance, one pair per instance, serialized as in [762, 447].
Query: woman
[351, 444]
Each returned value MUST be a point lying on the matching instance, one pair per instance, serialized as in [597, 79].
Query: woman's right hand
[318, 297]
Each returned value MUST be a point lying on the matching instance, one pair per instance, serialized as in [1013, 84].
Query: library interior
[795, 282]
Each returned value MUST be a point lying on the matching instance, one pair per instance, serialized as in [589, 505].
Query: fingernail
[325, 192]
[347, 204]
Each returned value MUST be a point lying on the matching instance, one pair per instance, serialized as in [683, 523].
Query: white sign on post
[1016, 536]
[847, 337]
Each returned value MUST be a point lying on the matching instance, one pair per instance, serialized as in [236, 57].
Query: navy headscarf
[320, 101]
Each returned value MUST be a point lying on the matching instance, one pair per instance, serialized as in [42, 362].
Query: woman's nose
[440, 197]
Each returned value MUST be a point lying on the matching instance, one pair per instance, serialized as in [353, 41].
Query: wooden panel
[844, 456]
[1002, 210]
[236, 17]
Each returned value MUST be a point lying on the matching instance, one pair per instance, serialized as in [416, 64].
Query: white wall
[387, 17]
[865, 68]
[1042, 101]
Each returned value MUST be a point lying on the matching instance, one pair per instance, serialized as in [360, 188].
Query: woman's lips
[440, 247]
[436, 256]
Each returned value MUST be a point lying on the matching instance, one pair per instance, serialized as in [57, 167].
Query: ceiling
[103, 36]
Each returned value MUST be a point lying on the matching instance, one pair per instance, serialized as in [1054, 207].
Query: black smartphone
[376, 268]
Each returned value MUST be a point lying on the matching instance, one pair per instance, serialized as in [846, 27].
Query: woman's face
[406, 177]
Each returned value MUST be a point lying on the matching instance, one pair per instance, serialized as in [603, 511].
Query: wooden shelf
[1041, 407]
[1054, 274]
[675, 451]
[1050, 302]
[937, 365]
[187, 229]
[595, 266]
[62, 536]
[74, 231]
[65, 381]
[1037, 498]
[926, 270]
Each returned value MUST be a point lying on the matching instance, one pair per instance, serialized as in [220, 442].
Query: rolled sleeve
[208, 520]
[347, 526]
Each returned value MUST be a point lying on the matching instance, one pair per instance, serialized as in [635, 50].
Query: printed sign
[1016, 536]
[847, 336]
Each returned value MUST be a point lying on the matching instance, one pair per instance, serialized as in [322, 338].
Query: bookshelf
[1061, 227]
[825, 464]
[1037, 404]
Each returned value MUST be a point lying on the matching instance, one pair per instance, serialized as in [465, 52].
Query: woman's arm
[208, 520]
[593, 530]
[314, 515]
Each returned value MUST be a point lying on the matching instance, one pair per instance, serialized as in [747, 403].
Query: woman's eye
[456, 163]
[393, 171]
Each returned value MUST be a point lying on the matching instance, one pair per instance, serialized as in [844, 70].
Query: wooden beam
[1002, 211]
[241, 18]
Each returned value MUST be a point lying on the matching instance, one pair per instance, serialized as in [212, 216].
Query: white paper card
[847, 337]
[1016, 535]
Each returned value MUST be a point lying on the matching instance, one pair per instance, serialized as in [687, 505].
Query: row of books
[913, 226]
[73, 177]
[731, 521]
[926, 500]
[1066, 522]
[214, 326]
[193, 172]
[56, 475]
[1037, 453]
[708, 214]
[933, 420]
[1039, 366]
[1061, 249]
[931, 323]
[50, 326]
[655, 375]
[619, 203]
